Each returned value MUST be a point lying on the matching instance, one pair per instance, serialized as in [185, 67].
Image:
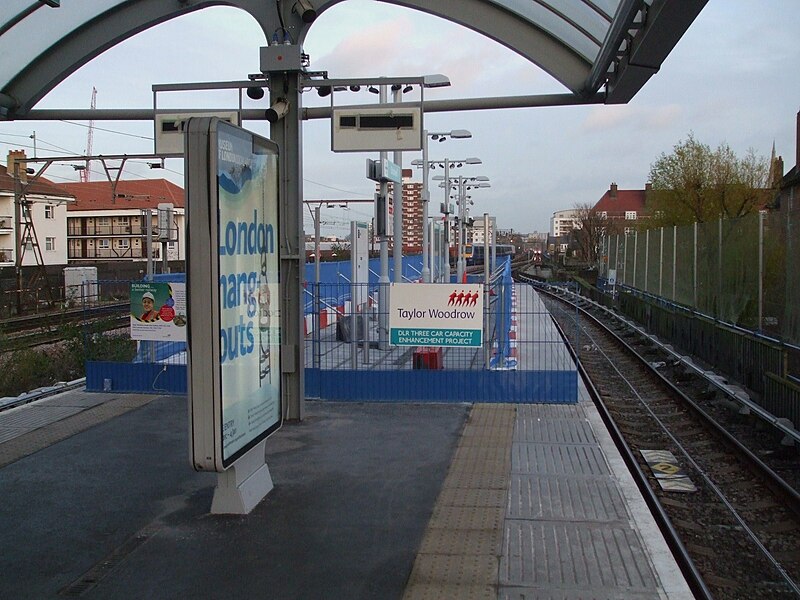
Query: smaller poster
[158, 311]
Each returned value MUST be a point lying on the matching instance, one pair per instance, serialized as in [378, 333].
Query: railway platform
[371, 500]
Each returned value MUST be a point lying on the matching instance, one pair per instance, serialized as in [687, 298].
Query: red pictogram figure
[452, 298]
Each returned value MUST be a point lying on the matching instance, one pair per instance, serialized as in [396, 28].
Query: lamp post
[426, 242]
[446, 164]
[461, 185]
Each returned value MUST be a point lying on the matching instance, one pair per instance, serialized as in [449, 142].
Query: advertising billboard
[158, 311]
[233, 278]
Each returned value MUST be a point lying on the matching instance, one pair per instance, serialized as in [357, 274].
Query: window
[630, 215]
[104, 221]
[49, 211]
[104, 244]
[50, 244]
[125, 244]
[603, 214]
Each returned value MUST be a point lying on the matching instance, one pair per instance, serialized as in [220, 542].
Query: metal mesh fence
[738, 271]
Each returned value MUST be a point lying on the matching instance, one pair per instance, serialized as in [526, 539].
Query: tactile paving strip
[569, 499]
[563, 555]
[459, 555]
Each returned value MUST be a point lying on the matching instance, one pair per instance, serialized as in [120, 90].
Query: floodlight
[436, 80]
[473, 161]
[460, 134]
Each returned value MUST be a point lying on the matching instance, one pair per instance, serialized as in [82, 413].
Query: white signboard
[234, 343]
[158, 311]
[433, 314]
[612, 277]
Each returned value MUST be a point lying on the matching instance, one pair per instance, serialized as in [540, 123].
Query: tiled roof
[626, 200]
[130, 193]
[42, 186]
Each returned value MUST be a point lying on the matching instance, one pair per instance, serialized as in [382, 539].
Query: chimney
[13, 157]
[648, 187]
[612, 192]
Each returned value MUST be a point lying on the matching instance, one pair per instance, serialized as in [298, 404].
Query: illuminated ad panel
[234, 349]
[432, 314]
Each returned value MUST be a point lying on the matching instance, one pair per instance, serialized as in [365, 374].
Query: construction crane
[86, 173]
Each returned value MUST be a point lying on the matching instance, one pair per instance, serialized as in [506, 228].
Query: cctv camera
[277, 111]
[306, 11]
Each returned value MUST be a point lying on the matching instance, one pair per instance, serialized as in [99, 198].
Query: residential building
[109, 222]
[412, 213]
[42, 217]
[564, 221]
[624, 207]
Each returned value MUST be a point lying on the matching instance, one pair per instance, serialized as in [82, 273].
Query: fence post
[694, 270]
[761, 215]
[625, 259]
[646, 257]
[661, 265]
[635, 253]
[674, 260]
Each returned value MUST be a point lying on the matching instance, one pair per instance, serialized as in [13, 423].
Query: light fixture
[255, 93]
[396, 87]
[324, 90]
[373, 90]
[460, 134]
[306, 11]
[407, 89]
[355, 88]
[436, 80]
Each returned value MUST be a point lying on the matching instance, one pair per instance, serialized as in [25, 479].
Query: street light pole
[383, 281]
[426, 269]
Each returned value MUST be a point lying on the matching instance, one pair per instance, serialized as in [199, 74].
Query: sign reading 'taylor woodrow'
[435, 314]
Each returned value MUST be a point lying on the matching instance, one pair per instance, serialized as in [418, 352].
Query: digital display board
[233, 290]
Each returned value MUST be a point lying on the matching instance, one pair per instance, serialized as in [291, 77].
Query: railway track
[727, 482]
[29, 331]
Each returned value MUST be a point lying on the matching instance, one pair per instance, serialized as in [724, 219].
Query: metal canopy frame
[613, 46]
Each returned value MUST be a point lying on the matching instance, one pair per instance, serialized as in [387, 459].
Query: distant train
[474, 254]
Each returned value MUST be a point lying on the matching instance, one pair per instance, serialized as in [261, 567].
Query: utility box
[80, 286]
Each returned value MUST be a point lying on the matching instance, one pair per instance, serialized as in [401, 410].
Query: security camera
[306, 11]
[277, 111]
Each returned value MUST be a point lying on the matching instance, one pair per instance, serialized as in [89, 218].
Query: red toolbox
[428, 358]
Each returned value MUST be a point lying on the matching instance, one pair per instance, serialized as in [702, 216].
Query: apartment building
[110, 221]
[41, 216]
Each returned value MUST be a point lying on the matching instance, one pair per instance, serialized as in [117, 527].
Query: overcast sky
[731, 79]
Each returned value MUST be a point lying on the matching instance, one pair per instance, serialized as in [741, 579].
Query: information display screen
[233, 291]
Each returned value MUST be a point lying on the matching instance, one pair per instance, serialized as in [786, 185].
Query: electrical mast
[86, 173]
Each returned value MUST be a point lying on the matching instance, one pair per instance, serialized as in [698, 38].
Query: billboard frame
[222, 436]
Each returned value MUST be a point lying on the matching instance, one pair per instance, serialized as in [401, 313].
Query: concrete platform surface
[115, 510]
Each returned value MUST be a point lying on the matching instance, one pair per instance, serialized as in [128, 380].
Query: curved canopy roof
[588, 45]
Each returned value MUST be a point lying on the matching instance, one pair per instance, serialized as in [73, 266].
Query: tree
[590, 227]
[695, 183]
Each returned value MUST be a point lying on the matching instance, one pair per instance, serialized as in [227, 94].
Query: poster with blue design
[249, 314]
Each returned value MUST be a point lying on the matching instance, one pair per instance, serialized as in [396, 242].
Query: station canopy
[611, 47]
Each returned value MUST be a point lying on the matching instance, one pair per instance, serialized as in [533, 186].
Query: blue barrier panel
[532, 387]
[143, 378]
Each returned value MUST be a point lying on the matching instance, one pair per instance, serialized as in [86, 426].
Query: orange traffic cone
[464, 277]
